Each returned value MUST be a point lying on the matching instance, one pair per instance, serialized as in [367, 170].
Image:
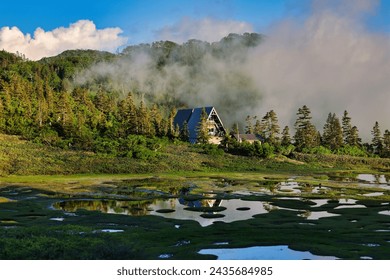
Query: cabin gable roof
[192, 117]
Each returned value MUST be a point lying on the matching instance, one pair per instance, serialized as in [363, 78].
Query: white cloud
[206, 29]
[329, 62]
[82, 34]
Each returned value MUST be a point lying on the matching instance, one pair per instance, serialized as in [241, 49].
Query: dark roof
[192, 117]
[248, 137]
[182, 116]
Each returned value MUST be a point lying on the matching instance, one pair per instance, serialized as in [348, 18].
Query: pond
[373, 179]
[205, 211]
[215, 217]
[365, 180]
[280, 252]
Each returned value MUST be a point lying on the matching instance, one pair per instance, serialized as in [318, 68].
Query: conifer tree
[202, 132]
[172, 133]
[156, 121]
[257, 129]
[249, 126]
[227, 140]
[377, 143]
[184, 132]
[235, 129]
[143, 117]
[274, 128]
[2, 116]
[332, 136]
[347, 127]
[286, 138]
[65, 115]
[354, 139]
[270, 128]
[41, 104]
[306, 135]
[128, 115]
[386, 144]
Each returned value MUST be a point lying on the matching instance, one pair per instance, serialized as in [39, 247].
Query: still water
[204, 211]
[280, 252]
[223, 210]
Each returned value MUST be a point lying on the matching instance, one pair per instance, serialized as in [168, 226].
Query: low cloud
[206, 29]
[82, 34]
[329, 62]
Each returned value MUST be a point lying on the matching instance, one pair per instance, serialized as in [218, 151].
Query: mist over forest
[328, 61]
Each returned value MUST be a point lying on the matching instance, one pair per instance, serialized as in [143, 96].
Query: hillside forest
[44, 102]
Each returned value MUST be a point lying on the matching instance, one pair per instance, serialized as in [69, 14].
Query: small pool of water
[386, 212]
[319, 202]
[289, 187]
[108, 231]
[174, 208]
[58, 219]
[281, 252]
[372, 179]
[205, 211]
[350, 206]
[373, 194]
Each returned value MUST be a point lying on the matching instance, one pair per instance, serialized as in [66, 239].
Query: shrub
[105, 146]
[211, 149]
[351, 151]
[320, 150]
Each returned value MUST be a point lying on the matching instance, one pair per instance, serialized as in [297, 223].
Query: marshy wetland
[198, 216]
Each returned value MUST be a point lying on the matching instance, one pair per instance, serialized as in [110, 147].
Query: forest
[44, 102]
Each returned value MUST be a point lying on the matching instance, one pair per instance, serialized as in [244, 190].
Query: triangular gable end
[192, 117]
[213, 116]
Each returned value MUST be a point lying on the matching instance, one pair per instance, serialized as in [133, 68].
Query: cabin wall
[215, 140]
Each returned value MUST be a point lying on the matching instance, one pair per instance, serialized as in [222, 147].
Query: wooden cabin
[192, 117]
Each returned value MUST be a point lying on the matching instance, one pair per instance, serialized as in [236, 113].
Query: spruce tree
[354, 139]
[249, 126]
[156, 120]
[286, 138]
[386, 144]
[143, 118]
[184, 132]
[347, 127]
[306, 135]
[128, 116]
[172, 133]
[274, 128]
[377, 142]
[235, 129]
[332, 136]
[257, 129]
[202, 131]
[226, 141]
[270, 128]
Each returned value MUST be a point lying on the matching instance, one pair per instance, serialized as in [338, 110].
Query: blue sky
[142, 21]
[139, 19]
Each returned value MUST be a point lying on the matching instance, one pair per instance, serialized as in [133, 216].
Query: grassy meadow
[36, 177]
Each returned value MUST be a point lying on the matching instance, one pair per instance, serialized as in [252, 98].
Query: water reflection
[374, 178]
[281, 252]
[233, 209]
[364, 179]
[133, 208]
[208, 208]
